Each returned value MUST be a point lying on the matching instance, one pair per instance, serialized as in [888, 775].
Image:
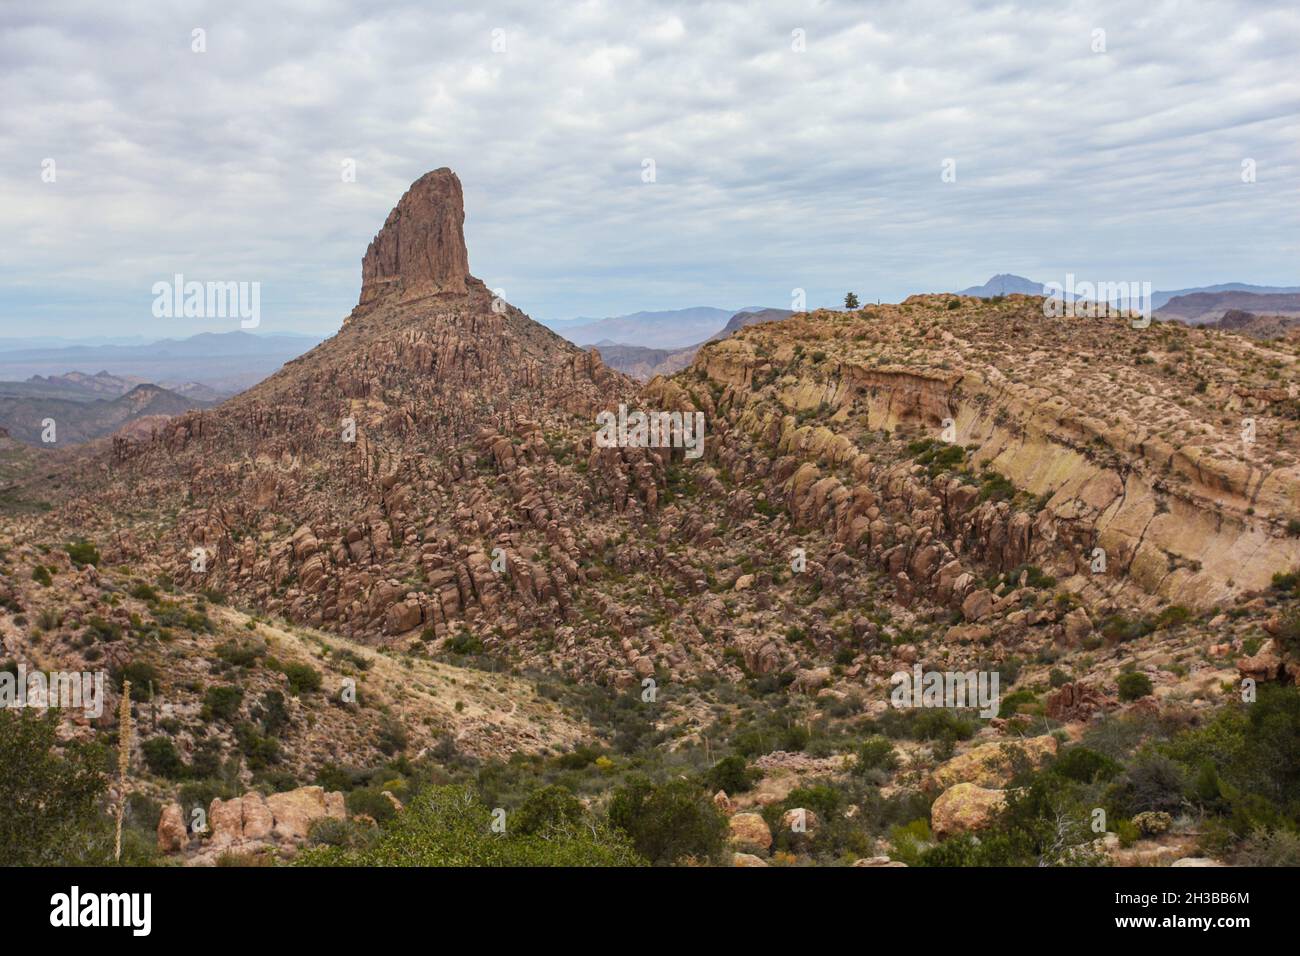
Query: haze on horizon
[775, 167]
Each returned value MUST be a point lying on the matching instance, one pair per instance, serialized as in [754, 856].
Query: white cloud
[776, 168]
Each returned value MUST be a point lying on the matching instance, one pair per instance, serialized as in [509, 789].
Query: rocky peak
[420, 251]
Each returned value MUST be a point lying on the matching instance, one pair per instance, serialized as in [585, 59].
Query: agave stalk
[123, 763]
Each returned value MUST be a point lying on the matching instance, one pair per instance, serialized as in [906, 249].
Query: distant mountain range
[664, 330]
[224, 363]
[25, 417]
[645, 363]
[1010, 284]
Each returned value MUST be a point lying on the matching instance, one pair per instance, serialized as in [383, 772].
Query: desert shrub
[1085, 766]
[876, 753]
[222, 702]
[1269, 848]
[258, 749]
[449, 826]
[1154, 782]
[1133, 685]
[41, 575]
[732, 774]
[303, 678]
[463, 643]
[546, 809]
[82, 553]
[668, 821]
[50, 792]
[142, 676]
[162, 758]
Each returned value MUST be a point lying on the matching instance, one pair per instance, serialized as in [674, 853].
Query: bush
[449, 826]
[41, 575]
[50, 791]
[732, 774]
[82, 553]
[550, 808]
[876, 754]
[1085, 766]
[666, 822]
[222, 702]
[1133, 686]
[161, 757]
[142, 676]
[303, 678]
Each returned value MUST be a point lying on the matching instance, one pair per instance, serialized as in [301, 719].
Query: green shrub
[547, 809]
[876, 753]
[668, 821]
[303, 678]
[222, 702]
[1133, 685]
[732, 774]
[161, 757]
[449, 826]
[82, 553]
[1085, 766]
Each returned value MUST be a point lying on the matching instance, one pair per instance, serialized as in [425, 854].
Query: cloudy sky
[795, 145]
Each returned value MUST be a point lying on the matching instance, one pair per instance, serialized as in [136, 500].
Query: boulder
[965, 808]
[749, 831]
[172, 835]
[993, 764]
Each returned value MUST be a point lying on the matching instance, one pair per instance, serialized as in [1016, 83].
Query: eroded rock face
[749, 831]
[421, 248]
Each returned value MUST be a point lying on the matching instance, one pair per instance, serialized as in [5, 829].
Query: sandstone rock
[257, 818]
[993, 764]
[172, 835]
[421, 248]
[749, 831]
[1196, 861]
[800, 821]
[225, 821]
[747, 859]
[965, 808]
[296, 810]
[877, 861]
[978, 604]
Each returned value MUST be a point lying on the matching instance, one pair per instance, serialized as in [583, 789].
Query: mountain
[667, 330]
[644, 363]
[1159, 299]
[223, 361]
[1200, 308]
[1257, 326]
[410, 569]
[78, 420]
[1004, 284]
[1008, 284]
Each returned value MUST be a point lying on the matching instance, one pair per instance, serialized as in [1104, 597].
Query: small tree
[851, 300]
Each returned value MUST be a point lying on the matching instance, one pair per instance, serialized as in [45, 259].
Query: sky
[793, 145]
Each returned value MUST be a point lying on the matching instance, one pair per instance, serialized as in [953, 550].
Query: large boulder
[993, 764]
[172, 835]
[296, 810]
[965, 808]
[749, 832]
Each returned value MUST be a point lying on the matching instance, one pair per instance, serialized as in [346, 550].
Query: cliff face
[420, 251]
[1143, 459]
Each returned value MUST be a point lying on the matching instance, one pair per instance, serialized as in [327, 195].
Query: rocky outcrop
[965, 808]
[994, 764]
[420, 251]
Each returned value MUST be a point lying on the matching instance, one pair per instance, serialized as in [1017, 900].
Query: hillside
[928, 484]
